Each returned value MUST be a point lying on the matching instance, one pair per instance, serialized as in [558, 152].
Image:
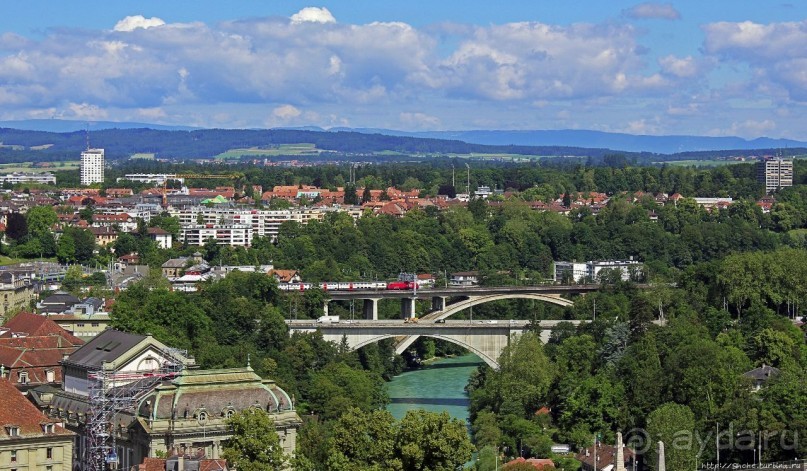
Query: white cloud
[652, 10]
[419, 121]
[775, 52]
[280, 72]
[313, 15]
[86, 111]
[152, 113]
[286, 112]
[131, 23]
[539, 61]
[748, 129]
[683, 67]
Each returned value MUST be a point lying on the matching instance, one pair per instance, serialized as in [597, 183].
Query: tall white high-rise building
[776, 173]
[92, 166]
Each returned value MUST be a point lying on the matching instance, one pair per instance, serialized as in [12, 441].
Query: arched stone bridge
[486, 339]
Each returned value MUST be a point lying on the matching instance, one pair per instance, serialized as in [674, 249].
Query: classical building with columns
[189, 412]
[170, 404]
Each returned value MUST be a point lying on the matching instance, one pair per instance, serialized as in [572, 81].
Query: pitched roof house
[28, 438]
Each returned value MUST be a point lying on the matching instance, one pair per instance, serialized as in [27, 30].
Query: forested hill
[25, 145]
[120, 143]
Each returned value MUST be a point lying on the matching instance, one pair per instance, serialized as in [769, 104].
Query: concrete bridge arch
[485, 356]
[472, 301]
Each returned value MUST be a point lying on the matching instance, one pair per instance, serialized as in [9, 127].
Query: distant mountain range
[556, 138]
[65, 125]
[598, 140]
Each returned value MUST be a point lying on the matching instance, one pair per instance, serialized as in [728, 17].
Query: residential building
[590, 272]
[464, 278]
[155, 178]
[223, 234]
[775, 173]
[57, 303]
[83, 325]
[104, 235]
[31, 349]
[24, 177]
[286, 276]
[92, 166]
[122, 221]
[16, 292]
[628, 269]
[712, 203]
[163, 238]
[570, 271]
[761, 375]
[29, 440]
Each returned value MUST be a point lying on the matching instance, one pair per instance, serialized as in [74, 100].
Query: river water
[437, 387]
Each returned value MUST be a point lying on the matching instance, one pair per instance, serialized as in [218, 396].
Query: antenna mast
[87, 134]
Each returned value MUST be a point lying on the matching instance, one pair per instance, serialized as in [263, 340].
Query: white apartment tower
[776, 173]
[92, 166]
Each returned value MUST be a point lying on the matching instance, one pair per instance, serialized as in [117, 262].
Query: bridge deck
[426, 293]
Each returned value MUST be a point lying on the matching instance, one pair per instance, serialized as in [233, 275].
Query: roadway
[444, 323]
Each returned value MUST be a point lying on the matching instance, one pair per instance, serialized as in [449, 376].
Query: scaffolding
[112, 393]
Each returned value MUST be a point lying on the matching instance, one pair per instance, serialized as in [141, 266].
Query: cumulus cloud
[286, 112]
[310, 69]
[683, 67]
[775, 51]
[539, 61]
[419, 121]
[652, 10]
[87, 111]
[748, 129]
[313, 15]
[152, 113]
[131, 23]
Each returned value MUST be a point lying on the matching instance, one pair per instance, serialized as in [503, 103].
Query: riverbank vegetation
[622, 372]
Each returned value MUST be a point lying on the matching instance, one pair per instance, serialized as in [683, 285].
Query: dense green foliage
[255, 445]
[672, 383]
[375, 441]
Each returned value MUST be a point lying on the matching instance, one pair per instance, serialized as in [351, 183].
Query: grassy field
[9, 261]
[29, 167]
[282, 149]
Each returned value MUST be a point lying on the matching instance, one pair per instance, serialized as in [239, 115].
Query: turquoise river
[437, 387]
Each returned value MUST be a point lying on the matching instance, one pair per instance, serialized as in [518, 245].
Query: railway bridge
[450, 300]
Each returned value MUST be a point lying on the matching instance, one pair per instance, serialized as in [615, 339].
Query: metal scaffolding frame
[111, 393]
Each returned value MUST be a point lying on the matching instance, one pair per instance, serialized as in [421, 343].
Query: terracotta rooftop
[36, 325]
[17, 411]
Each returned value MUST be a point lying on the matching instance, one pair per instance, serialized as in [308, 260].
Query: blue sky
[680, 67]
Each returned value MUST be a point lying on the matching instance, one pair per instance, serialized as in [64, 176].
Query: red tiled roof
[152, 464]
[213, 465]
[16, 410]
[36, 325]
[538, 463]
[284, 275]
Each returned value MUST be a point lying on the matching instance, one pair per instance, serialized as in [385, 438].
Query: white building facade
[235, 235]
[24, 177]
[591, 271]
[92, 166]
